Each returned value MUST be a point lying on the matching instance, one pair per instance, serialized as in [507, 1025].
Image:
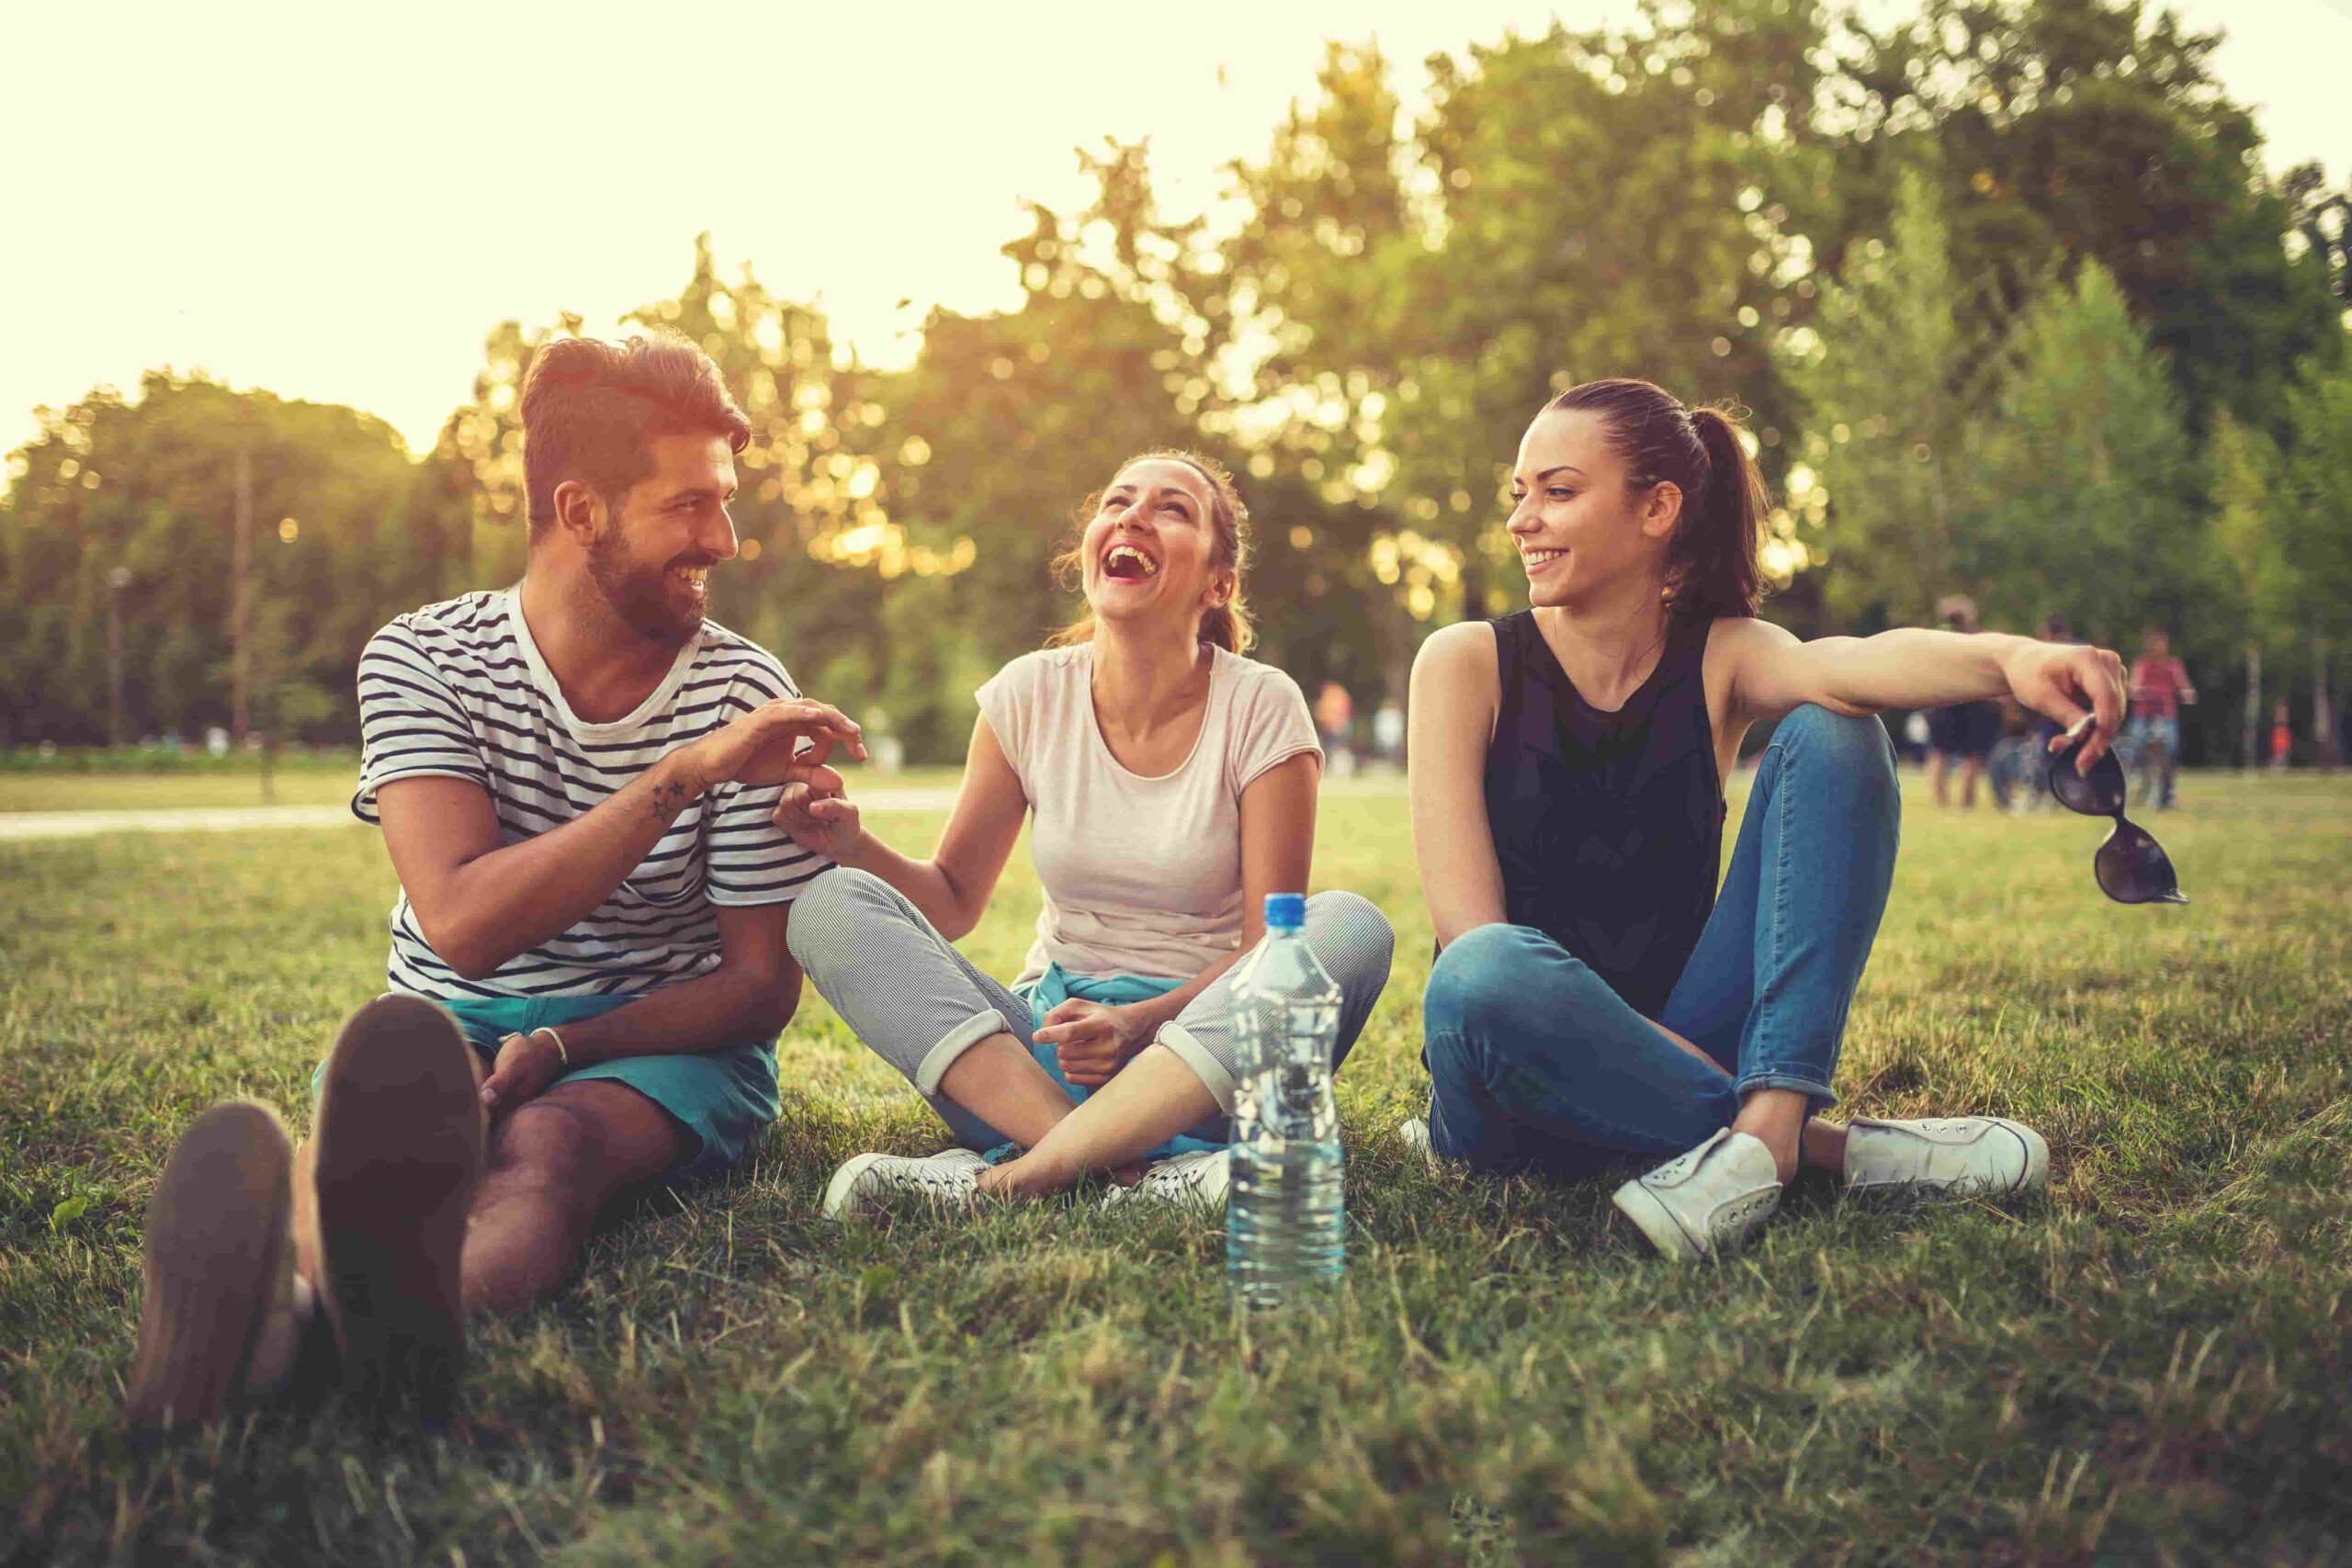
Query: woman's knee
[1351, 938]
[1855, 747]
[836, 912]
[1478, 970]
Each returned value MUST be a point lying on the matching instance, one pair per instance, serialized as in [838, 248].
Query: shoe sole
[216, 1245]
[2037, 1161]
[399, 1149]
[1656, 1222]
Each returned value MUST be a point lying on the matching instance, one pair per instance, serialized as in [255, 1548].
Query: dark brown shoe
[218, 1326]
[398, 1148]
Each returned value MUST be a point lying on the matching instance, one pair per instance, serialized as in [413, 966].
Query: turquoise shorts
[717, 1099]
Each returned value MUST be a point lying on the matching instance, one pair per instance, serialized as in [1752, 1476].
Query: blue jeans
[1536, 1064]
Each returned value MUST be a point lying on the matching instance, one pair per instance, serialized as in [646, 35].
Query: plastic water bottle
[1282, 1217]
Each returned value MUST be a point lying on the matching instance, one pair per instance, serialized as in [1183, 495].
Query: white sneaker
[1991, 1155]
[1197, 1180]
[1706, 1202]
[947, 1181]
[1414, 1133]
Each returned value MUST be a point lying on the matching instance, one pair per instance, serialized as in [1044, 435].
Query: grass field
[171, 792]
[2147, 1364]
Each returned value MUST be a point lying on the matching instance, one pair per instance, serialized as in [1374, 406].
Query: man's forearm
[510, 901]
[723, 1008]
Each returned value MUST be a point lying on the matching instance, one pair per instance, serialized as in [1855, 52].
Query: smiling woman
[1598, 1000]
[1164, 497]
[1173, 786]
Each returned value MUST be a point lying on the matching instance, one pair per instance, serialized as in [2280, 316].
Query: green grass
[2147, 1364]
[131, 791]
[167, 792]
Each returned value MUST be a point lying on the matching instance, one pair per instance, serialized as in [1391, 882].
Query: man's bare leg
[554, 1163]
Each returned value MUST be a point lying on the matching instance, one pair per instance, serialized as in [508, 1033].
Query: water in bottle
[1283, 1234]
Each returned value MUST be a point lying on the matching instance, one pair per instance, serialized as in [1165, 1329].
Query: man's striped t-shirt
[458, 690]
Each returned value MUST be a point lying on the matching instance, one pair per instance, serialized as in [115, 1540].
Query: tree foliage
[2089, 131]
[2001, 284]
[2093, 498]
[342, 523]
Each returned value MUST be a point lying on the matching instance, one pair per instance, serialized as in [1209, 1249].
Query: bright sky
[339, 202]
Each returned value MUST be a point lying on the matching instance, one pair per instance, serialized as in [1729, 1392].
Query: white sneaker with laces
[1988, 1156]
[1197, 1180]
[947, 1180]
[1705, 1203]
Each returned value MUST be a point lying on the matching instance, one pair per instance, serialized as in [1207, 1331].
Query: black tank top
[1608, 826]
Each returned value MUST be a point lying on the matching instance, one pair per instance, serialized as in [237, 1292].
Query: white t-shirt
[1141, 875]
[458, 690]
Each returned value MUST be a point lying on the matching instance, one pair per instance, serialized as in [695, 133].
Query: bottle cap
[1285, 911]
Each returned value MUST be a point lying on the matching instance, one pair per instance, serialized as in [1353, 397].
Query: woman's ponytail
[1717, 565]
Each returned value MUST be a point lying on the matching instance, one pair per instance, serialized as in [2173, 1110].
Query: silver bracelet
[561, 1054]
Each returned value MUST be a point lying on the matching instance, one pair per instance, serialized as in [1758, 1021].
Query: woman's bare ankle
[1775, 1118]
[1824, 1145]
[1026, 1176]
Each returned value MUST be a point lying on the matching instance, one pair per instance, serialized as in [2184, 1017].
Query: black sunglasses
[2132, 867]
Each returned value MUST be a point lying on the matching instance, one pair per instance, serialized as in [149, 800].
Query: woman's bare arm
[1451, 721]
[953, 887]
[1911, 667]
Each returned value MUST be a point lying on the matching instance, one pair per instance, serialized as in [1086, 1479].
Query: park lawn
[168, 792]
[2145, 1364]
[173, 792]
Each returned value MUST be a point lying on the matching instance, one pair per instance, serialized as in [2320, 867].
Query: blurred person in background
[1335, 714]
[2021, 756]
[1597, 1001]
[1960, 735]
[1171, 782]
[2160, 684]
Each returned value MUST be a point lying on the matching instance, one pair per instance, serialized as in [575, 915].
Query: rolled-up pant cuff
[1195, 1056]
[1812, 1088]
[954, 1043]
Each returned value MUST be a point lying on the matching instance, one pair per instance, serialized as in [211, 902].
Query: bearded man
[575, 778]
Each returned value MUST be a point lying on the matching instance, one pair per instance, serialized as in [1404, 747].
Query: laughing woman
[1173, 782]
[1597, 1001]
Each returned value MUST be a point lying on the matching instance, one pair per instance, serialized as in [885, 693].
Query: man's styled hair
[589, 407]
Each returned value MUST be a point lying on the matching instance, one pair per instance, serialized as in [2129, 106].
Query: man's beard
[642, 597]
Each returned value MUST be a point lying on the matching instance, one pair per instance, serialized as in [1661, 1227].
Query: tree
[1006, 420]
[1895, 385]
[2324, 229]
[2309, 506]
[2094, 501]
[2085, 129]
[1572, 206]
[344, 535]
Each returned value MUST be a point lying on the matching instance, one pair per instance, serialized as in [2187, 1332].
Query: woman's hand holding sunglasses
[2082, 687]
